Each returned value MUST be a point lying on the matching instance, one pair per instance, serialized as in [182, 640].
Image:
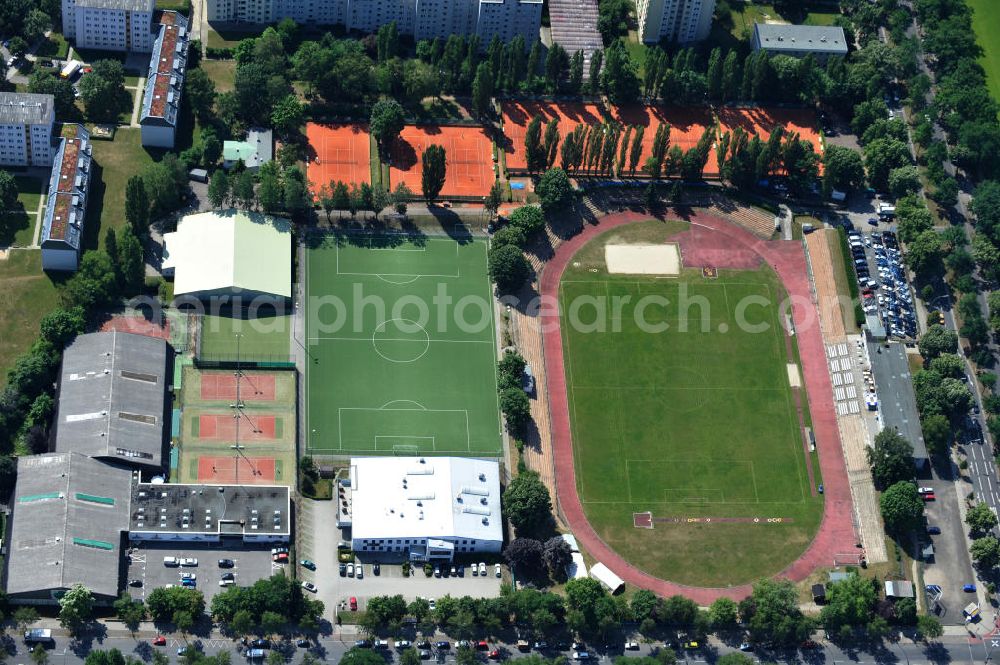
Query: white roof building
[230, 253]
[427, 507]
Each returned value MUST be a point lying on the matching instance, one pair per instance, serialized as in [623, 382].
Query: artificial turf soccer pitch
[383, 378]
[686, 425]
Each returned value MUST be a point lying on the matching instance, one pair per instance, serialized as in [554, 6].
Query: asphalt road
[951, 649]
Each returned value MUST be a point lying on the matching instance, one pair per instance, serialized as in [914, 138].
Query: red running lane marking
[788, 260]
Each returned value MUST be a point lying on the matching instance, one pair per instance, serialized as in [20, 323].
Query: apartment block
[26, 129]
[676, 21]
[69, 185]
[798, 41]
[110, 25]
[424, 19]
[161, 100]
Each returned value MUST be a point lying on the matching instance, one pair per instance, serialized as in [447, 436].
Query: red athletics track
[254, 388]
[836, 531]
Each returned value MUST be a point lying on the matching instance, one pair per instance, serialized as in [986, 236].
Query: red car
[354, 604]
[495, 654]
[929, 496]
[483, 644]
[160, 641]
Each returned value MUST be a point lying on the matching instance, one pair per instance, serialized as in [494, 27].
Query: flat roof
[257, 149]
[121, 5]
[249, 510]
[425, 497]
[112, 396]
[815, 38]
[69, 513]
[897, 402]
[215, 252]
[26, 108]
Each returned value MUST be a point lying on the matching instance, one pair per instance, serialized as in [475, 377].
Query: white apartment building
[26, 129]
[422, 508]
[161, 101]
[798, 41]
[110, 25]
[677, 21]
[424, 19]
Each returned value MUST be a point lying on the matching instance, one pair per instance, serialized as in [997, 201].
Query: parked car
[482, 569]
[631, 646]
[226, 563]
[303, 644]
[690, 644]
[581, 655]
[306, 563]
[403, 644]
[343, 570]
[376, 568]
[350, 570]
[309, 586]
[363, 644]
[437, 571]
[969, 588]
[354, 604]
[189, 561]
[442, 644]
[135, 582]
[359, 571]
[381, 644]
[159, 641]
[261, 643]
[496, 570]
[425, 654]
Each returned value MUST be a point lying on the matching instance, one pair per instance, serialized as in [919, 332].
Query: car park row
[885, 294]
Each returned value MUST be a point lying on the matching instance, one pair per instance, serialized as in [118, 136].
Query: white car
[402, 644]
[496, 569]
[482, 568]
[350, 570]
[309, 586]
[359, 571]
[189, 561]
[431, 604]
[189, 576]
[631, 646]
[925, 490]
[227, 582]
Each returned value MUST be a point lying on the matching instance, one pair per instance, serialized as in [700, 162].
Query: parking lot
[881, 275]
[146, 564]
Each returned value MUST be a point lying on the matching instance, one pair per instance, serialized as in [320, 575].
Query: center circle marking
[413, 349]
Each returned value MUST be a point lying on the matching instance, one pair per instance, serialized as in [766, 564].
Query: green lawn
[55, 46]
[696, 423]
[26, 295]
[264, 337]
[401, 371]
[17, 228]
[230, 37]
[29, 191]
[183, 6]
[116, 162]
[743, 20]
[986, 23]
[221, 72]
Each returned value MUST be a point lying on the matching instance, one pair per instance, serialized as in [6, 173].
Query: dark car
[934, 530]
[363, 644]
[226, 563]
[135, 582]
[376, 568]
[261, 643]
[305, 644]
[442, 645]
[343, 570]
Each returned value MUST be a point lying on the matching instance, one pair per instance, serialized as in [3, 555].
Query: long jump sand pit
[338, 152]
[643, 259]
[468, 158]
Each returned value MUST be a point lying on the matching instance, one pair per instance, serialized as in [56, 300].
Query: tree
[272, 622]
[288, 116]
[218, 189]
[555, 191]
[772, 613]
[137, 205]
[39, 656]
[843, 169]
[902, 508]
[929, 627]
[61, 325]
[534, 152]
[583, 595]
[882, 156]
[903, 181]
[46, 83]
[270, 192]
[891, 459]
[211, 148]
[510, 368]
[386, 123]
[618, 78]
[131, 612]
[199, 90]
[103, 91]
[434, 168]
[243, 190]
[18, 46]
[76, 607]
[937, 340]
[8, 190]
[849, 602]
[528, 219]
[131, 264]
[400, 196]
[24, 616]
[980, 518]
[723, 614]
[985, 552]
[493, 200]
[526, 503]
[241, 623]
[923, 255]
[509, 268]
[409, 657]
[516, 408]
[482, 90]
[937, 432]
[295, 193]
[525, 555]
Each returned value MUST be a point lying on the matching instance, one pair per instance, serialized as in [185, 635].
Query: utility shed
[899, 589]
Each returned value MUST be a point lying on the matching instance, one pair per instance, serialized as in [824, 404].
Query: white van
[171, 561]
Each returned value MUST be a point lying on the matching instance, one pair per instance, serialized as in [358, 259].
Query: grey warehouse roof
[69, 512]
[25, 108]
[121, 5]
[816, 38]
[111, 398]
[247, 510]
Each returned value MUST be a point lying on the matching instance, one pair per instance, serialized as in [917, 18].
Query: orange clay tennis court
[137, 325]
[468, 155]
[339, 152]
[222, 386]
[687, 125]
[253, 427]
[518, 114]
[253, 470]
[760, 121]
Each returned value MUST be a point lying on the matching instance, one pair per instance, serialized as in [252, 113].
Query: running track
[836, 533]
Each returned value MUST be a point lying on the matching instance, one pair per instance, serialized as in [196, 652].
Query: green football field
[401, 347]
[686, 425]
[986, 23]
